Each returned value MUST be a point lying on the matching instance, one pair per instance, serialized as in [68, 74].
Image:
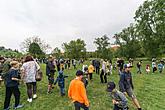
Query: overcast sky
[58, 21]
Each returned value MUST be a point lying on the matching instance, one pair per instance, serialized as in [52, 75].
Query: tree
[35, 39]
[35, 50]
[35, 46]
[150, 20]
[56, 52]
[103, 50]
[130, 46]
[75, 49]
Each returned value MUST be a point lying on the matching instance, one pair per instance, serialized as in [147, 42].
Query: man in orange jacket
[77, 92]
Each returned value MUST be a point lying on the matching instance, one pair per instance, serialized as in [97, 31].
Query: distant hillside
[9, 52]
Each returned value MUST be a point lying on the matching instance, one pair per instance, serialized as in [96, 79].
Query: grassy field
[149, 89]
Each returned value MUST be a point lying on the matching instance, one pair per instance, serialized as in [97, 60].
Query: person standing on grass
[77, 92]
[139, 65]
[126, 84]
[90, 71]
[11, 83]
[154, 68]
[50, 70]
[160, 67]
[147, 69]
[103, 75]
[97, 66]
[29, 70]
[61, 82]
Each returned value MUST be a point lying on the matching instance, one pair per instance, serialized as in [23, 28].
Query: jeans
[97, 70]
[31, 89]
[62, 90]
[80, 105]
[9, 92]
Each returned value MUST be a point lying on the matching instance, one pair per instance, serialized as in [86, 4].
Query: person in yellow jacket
[77, 92]
[90, 71]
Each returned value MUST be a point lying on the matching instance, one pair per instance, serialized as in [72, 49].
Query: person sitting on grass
[11, 83]
[118, 98]
[61, 82]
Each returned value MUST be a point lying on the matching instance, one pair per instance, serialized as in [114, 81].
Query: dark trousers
[103, 77]
[31, 89]
[97, 70]
[9, 92]
[119, 108]
[80, 105]
[62, 90]
[90, 76]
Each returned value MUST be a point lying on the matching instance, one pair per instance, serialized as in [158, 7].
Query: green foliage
[130, 46]
[10, 53]
[35, 50]
[103, 50]
[57, 52]
[75, 49]
[37, 41]
[150, 20]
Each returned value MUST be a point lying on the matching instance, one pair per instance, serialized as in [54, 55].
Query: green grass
[149, 89]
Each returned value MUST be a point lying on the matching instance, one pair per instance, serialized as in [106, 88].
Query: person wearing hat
[126, 84]
[12, 82]
[77, 92]
[61, 82]
[118, 98]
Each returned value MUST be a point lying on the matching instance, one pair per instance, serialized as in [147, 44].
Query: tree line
[143, 38]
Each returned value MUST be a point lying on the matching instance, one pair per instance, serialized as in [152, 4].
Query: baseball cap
[79, 73]
[127, 66]
[110, 86]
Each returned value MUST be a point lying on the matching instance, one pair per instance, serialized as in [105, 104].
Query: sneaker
[29, 100]
[34, 96]
[19, 106]
[8, 108]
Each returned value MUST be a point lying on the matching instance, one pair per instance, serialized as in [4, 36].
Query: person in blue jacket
[126, 84]
[61, 82]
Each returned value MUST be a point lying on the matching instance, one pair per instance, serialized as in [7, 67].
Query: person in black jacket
[11, 83]
[50, 70]
[126, 84]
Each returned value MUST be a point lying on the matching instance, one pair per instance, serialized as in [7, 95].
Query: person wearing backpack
[61, 82]
[126, 85]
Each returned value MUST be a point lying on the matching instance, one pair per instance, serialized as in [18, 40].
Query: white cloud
[58, 21]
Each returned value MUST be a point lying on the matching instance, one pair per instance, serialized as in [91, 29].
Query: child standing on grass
[90, 71]
[11, 82]
[61, 82]
[160, 67]
[147, 69]
[118, 98]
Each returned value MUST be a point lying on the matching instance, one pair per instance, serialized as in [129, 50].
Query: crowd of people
[13, 71]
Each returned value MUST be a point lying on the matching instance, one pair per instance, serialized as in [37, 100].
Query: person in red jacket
[77, 92]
